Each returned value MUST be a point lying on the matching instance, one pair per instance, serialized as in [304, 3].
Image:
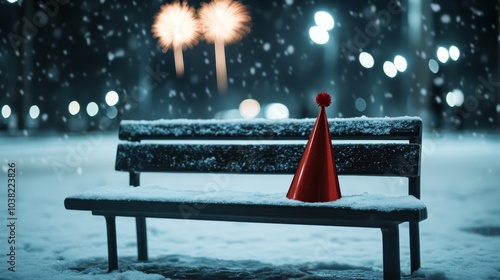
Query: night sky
[83, 49]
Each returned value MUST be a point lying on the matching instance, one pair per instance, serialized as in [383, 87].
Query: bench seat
[370, 210]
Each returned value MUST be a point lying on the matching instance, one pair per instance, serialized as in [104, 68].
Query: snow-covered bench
[261, 154]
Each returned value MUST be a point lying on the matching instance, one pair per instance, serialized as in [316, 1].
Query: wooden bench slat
[404, 128]
[385, 159]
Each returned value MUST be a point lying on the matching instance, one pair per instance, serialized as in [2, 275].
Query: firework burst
[176, 27]
[223, 22]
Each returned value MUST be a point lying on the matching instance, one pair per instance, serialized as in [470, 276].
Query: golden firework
[176, 27]
[223, 22]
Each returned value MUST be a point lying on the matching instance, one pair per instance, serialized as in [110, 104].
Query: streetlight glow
[454, 53]
[400, 63]
[275, 111]
[324, 20]
[112, 98]
[74, 107]
[6, 111]
[318, 35]
[92, 109]
[390, 69]
[34, 112]
[442, 54]
[366, 60]
[455, 98]
[249, 108]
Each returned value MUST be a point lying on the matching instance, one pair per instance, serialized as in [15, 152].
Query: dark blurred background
[84, 65]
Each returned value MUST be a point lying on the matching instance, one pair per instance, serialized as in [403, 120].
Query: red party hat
[316, 177]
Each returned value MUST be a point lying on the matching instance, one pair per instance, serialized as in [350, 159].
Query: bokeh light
[433, 66]
[6, 111]
[74, 107]
[442, 54]
[275, 111]
[454, 53]
[360, 104]
[34, 112]
[324, 20]
[366, 60]
[112, 98]
[455, 98]
[232, 114]
[318, 35]
[92, 109]
[249, 108]
[400, 63]
[390, 69]
[112, 112]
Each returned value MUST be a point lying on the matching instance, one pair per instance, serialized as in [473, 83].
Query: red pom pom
[323, 99]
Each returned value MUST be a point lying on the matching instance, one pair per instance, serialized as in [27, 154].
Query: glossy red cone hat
[316, 177]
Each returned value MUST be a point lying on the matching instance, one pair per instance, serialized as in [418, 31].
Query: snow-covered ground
[460, 239]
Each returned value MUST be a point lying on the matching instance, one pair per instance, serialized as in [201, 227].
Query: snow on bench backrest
[400, 128]
[379, 159]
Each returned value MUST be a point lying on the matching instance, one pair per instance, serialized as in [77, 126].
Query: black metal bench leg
[390, 243]
[112, 252]
[142, 239]
[414, 246]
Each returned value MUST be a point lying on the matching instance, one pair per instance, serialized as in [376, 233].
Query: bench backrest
[255, 147]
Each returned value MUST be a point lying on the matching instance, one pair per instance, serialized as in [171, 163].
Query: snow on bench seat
[158, 201]
[164, 194]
